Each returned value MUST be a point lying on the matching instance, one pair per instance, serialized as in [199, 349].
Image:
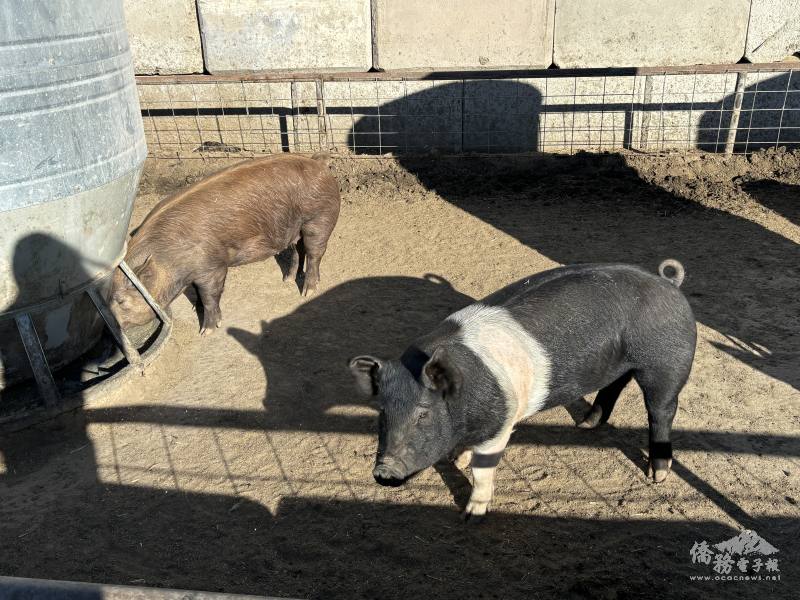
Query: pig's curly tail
[680, 272]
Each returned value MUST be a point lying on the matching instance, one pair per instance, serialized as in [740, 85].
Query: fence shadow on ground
[77, 527]
[83, 529]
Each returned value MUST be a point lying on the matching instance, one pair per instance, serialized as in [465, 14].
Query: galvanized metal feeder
[72, 149]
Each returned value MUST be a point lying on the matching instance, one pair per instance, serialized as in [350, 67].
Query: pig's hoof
[309, 289]
[658, 469]
[591, 420]
[475, 512]
[209, 329]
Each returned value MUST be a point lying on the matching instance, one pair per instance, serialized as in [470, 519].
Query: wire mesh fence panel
[740, 110]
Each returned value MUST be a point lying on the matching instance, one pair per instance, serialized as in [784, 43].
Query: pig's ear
[440, 373]
[365, 370]
[144, 270]
[127, 283]
[148, 271]
[147, 265]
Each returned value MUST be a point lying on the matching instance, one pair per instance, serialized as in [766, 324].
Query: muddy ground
[242, 461]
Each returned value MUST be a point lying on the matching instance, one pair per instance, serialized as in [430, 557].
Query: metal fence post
[733, 127]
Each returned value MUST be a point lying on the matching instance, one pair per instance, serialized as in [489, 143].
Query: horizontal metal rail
[421, 75]
[19, 588]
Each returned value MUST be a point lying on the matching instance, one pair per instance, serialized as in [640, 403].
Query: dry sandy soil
[242, 462]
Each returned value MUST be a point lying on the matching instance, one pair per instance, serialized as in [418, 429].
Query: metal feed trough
[72, 151]
[42, 373]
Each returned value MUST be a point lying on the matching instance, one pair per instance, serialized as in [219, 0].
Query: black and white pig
[541, 342]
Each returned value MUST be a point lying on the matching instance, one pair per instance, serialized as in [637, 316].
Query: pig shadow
[376, 315]
[741, 277]
[304, 355]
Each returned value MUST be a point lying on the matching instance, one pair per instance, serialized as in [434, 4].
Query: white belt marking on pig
[515, 358]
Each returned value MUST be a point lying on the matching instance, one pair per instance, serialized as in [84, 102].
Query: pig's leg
[485, 459]
[461, 458]
[291, 274]
[604, 402]
[312, 274]
[210, 288]
[661, 401]
[298, 255]
[315, 244]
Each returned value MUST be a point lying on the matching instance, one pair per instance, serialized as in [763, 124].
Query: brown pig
[243, 214]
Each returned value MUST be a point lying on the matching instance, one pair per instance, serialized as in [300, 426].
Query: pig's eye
[424, 416]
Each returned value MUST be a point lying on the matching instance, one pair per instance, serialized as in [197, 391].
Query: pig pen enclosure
[242, 461]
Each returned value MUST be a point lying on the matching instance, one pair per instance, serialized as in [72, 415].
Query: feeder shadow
[78, 348]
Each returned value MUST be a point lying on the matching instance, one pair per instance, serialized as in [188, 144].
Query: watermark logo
[746, 557]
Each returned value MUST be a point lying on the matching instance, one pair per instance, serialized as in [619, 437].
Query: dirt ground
[242, 462]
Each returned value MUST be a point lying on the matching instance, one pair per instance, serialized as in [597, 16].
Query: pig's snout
[388, 472]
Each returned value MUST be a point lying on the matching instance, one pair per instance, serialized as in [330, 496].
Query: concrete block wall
[494, 115]
[223, 36]
[164, 36]
[774, 30]
[462, 34]
[617, 33]
[256, 35]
